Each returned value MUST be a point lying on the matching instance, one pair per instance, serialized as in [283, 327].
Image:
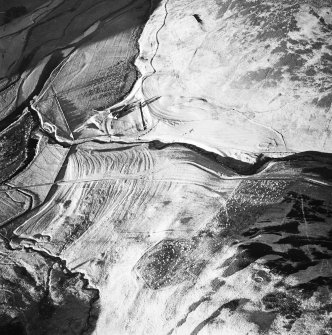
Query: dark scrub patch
[313, 210]
[305, 208]
[290, 262]
[216, 284]
[290, 227]
[253, 77]
[22, 273]
[302, 252]
[297, 255]
[13, 13]
[231, 306]
[299, 241]
[186, 219]
[46, 308]
[324, 101]
[11, 326]
[285, 305]
[262, 319]
[281, 48]
[192, 308]
[318, 254]
[327, 58]
[317, 45]
[247, 255]
[291, 60]
[309, 288]
[67, 204]
[197, 18]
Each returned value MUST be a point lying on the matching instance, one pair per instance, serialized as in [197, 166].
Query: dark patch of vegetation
[13, 13]
[248, 254]
[284, 304]
[11, 326]
[231, 305]
[198, 19]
